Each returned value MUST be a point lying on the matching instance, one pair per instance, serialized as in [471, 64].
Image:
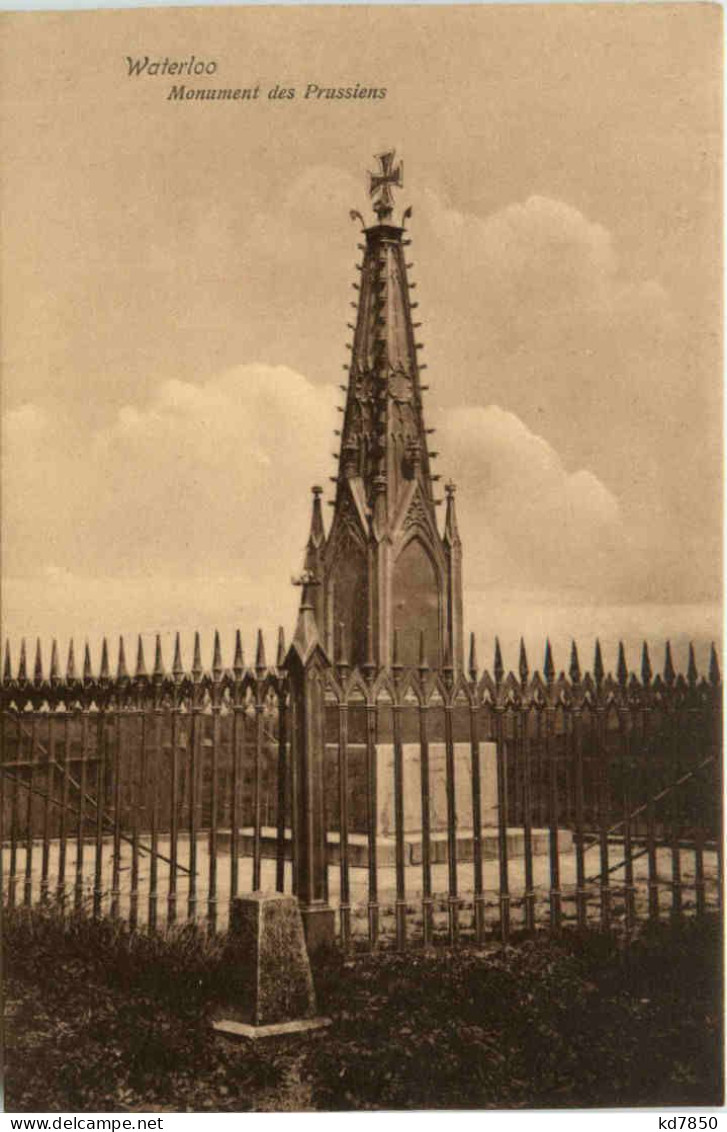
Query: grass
[99, 1018]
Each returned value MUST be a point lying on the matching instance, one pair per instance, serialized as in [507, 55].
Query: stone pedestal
[411, 753]
[278, 996]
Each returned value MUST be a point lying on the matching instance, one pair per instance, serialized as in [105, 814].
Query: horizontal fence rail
[420, 805]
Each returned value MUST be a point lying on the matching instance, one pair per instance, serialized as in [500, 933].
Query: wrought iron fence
[415, 805]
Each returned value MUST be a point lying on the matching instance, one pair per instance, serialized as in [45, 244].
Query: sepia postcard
[362, 559]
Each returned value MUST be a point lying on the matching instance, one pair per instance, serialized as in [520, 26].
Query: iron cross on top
[381, 183]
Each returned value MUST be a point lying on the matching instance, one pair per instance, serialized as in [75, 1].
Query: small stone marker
[269, 940]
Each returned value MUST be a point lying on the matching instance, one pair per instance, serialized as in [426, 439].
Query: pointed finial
[280, 658]
[622, 671]
[140, 663]
[548, 666]
[22, 663]
[714, 673]
[451, 531]
[7, 667]
[473, 658]
[423, 665]
[523, 664]
[38, 667]
[575, 668]
[55, 671]
[217, 657]
[448, 667]
[87, 670]
[669, 673]
[646, 672]
[105, 672]
[121, 671]
[598, 665]
[177, 666]
[692, 674]
[197, 659]
[238, 664]
[71, 663]
[498, 667]
[317, 535]
[158, 662]
[260, 664]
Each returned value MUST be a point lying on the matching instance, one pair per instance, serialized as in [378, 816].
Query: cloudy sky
[176, 284]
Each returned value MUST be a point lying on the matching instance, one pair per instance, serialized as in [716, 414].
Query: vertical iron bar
[527, 763]
[551, 749]
[477, 817]
[453, 898]
[626, 765]
[653, 882]
[174, 813]
[256, 785]
[371, 783]
[675, 768]
[212, 888]
[100, 805]
[14, 815]
[49, 788]
[427, 919]
[294, 787]
[399, 826]
[502, 817]
[28, 887]
[195, 727]
[78, 893]
[237, 727]
[62, 831]
[581, 891]
[116, 872]
[139, 781]
[155, 762]
[345, 898]
[282, 788]
[603, 819]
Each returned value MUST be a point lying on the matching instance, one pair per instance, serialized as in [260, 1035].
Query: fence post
[306, 663]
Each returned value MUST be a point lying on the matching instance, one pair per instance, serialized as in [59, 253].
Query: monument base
[243, 1031]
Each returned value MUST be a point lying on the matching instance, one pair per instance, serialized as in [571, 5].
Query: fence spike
[622, 671]
[121, 669]
[692, 674]
[22, 663]
[280, 658]
[575, 668]
[7, 667]
[158, 662]
[473, 658]
[523, 664]
[260, 664]
[177, 666]
[38, 667]
[105, 672]
[548, 666]
[140, 665]
[217, 657]
[498, 668]
[55, 672]
[87, 670]
[598, 665]
[646, 672]
[197, 660]
[668, 666]
[71, 662]
[238, 664]
[714, 673]
[423, 665]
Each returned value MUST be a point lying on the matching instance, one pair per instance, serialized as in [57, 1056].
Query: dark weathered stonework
[276, 974]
